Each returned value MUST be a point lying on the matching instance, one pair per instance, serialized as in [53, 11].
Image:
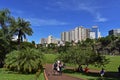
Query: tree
[5, 36]
[82, 56]
[118, 45]
[21, 28]
[33, 42]
[51, 46]
[9, 27]
[4, 19]
[24, 61]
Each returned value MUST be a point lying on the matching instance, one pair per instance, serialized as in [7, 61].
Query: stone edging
[45, 76]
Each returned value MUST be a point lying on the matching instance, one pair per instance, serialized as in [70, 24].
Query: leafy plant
[24, 61]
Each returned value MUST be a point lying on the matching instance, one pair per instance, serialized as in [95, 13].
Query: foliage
[82, 56]
[4, 47]
[105, 41]
[20, 28]
[33, 42]
[9, 26]
[25, 61]
[111, 71]
[23, 45]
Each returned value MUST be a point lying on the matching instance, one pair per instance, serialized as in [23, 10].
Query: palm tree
[25, 61]
[20, 28]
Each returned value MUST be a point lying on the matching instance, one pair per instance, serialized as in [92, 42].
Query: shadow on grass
[107, 76]
[68, 71]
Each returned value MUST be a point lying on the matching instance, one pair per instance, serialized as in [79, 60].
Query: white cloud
[80, 5]
[45, 22]
[100, 19]
[37, 21]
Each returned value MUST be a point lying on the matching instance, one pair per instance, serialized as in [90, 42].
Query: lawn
[50, 58]
[9, 75]
[110, 74]
[111, 69]
[112, 66]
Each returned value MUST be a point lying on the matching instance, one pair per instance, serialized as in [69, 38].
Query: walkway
[50, 76]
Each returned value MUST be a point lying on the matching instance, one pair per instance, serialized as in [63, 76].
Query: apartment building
[78, 34]
[96, 32]
[115, 32]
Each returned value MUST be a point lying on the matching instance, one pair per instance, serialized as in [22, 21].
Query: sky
[51, 17]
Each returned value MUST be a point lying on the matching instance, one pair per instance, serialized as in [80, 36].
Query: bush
[24, 61]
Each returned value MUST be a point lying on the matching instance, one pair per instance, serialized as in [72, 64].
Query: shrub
[24, 61]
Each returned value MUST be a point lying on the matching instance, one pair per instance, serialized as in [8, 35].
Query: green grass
[114, 63]
[9, 75]
[110, 68]
[50, 58]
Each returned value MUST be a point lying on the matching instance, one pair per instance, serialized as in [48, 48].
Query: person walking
[55, 68]
[60, 65]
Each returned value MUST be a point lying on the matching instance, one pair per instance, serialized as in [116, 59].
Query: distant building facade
[15, 38]
[115, 32]
[95, 31]
[48, 40]
[92, 35]
[78, 34]
[43, 40]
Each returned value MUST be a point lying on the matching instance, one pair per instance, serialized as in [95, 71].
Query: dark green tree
[5, 35]
[82, 56]
[21, 28]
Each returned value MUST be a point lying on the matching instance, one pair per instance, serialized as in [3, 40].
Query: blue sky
[51, 17]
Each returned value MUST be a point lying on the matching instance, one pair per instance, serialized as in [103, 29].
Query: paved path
[51, 76]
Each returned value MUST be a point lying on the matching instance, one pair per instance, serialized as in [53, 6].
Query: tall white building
[92, 35]
[96, 31]
[43, 40]
[67, 36]
[49, 39]
[78, 34]
[72, 37]
[63, 36]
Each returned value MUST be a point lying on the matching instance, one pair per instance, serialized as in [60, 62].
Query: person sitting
[86, 69]
[80, 69]
[119, 69]
[102, 72]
